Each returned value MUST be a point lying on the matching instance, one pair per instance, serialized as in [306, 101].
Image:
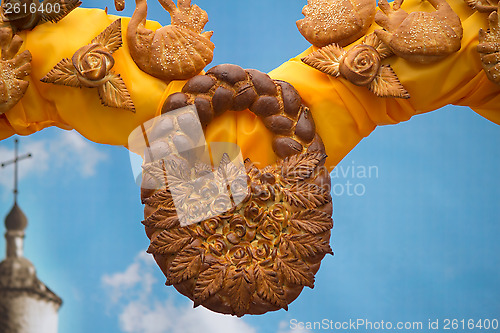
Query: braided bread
[258, 255]
[229, 87]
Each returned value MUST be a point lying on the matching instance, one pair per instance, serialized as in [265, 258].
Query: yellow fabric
[344, 113]
[67, 107]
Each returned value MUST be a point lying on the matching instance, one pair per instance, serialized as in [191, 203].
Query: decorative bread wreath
[258, 256]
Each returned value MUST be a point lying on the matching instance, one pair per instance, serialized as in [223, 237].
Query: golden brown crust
[259, 255]
[336, 21]
[256, 257]
[489, 48]
[119, 5]
[360, 65]
[93, 64]
[420, 37]
[229, 87]
[483, 6]
[174, 52]
[13, 68]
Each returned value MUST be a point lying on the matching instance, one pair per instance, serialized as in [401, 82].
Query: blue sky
[420, 243]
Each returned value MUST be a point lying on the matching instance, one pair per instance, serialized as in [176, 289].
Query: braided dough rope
[229, 87]
[258, 256]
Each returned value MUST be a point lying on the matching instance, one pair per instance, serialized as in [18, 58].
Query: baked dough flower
[263, 192]
[239, 230]
[240, 255]
[90, 67]
[192, 210]
[360, 65]
[254, 212]
[221, 204]
[270, 229]
[279, 213]
[262, 249]
[210, 226]
[217, 245]
[93, 64]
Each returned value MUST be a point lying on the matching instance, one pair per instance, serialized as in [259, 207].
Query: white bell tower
[26, 304]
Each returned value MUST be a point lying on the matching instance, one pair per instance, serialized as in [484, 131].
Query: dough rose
[360, 65]
[93, 63]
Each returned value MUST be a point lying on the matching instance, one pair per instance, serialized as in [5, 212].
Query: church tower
[26, 304]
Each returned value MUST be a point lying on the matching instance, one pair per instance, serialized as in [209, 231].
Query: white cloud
[139, 273]
[67, 149]
[71, 149]
[141, 312]
[158, 317]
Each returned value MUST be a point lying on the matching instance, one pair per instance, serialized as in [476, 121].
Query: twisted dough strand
[277, 103]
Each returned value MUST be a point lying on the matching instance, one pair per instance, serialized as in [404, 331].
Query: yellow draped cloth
[344, 113]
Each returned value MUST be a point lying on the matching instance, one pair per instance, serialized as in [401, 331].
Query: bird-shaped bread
[420, 37]
[174, 52]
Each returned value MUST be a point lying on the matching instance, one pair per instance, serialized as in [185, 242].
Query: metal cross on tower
[15, 161]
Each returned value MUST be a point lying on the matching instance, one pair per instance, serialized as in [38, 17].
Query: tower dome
[16, 220]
